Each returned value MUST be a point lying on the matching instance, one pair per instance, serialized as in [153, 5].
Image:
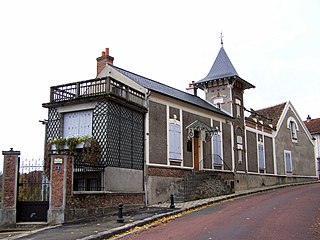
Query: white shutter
[70, 128]
[174, 141]
[85, 123]
[217, 156]
[288, 162]
[171, 141]
[177, 142]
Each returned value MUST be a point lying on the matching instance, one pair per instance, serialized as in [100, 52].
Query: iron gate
[33, 191]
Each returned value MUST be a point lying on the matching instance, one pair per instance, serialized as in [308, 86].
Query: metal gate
[33, 191]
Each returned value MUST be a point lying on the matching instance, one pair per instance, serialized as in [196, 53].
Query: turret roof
[223, 68]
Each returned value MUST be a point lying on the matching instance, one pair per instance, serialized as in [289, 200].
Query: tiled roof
[313, 125]
[270, 115]
[223, 68]
[169, 91]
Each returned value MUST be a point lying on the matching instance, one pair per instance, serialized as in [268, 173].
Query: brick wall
[167, 172]
[86, 205]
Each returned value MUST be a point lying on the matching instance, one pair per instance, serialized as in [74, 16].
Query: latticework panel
[54, 124]
[119, 131]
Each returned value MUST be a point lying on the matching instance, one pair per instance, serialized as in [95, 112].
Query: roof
[270, 114]
[169, 91]
[223, 68]
[313, 125]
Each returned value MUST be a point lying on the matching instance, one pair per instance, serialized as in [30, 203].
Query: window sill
[175, 160]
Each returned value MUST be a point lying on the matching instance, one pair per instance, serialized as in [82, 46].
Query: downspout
[146, 148]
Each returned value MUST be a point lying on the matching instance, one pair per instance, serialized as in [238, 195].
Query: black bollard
[172, 201]
[120, 213]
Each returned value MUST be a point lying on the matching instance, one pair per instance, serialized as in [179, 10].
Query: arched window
[293, 127]
[240, 145]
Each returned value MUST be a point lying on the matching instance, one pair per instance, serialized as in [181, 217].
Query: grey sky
[272, 44]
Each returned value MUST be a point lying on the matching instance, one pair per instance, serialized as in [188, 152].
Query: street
[288, 213]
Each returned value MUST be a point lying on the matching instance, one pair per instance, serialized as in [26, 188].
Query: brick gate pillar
[60, 187]
[9, 188]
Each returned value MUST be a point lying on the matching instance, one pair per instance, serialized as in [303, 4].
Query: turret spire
[221, 39]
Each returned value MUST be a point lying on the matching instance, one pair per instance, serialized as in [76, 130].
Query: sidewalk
[107, 226]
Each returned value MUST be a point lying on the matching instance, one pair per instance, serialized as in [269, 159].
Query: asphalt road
[288, 213]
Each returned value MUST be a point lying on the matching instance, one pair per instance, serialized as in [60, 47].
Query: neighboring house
[157, 140]
[279, 126]
[313, 126]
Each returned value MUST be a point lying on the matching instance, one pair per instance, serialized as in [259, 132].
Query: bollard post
[172, 201]
[120, 213]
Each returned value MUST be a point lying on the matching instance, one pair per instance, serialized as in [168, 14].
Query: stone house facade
[155, 140]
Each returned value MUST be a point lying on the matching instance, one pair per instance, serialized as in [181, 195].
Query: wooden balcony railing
[95, 87]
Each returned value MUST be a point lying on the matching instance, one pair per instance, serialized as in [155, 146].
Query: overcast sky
[272, 44]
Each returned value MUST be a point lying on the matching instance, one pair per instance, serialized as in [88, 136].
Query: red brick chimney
[103, 60]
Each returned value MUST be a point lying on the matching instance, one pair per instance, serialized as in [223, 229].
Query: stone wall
[93, 204]
[245, 181]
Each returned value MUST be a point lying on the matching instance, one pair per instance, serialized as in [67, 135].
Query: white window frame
[285, 162]
[261, 155]
[240, 148]
[238, 108]
[82, 125]
[174, 144]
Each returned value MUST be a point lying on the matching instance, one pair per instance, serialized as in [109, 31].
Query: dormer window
[293, 127]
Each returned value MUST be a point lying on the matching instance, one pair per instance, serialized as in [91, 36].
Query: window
[77, 124]
[238, 108]
[239, 149]
[174, 140]
[217, 155]
[218, 101]
[288, 161]
[87, 181]
[293, 127]
[261, 156]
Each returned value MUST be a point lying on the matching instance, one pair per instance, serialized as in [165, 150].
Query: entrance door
[196, 153]
[33, 191]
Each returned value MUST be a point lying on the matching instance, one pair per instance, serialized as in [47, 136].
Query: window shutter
[217, 156]
[174, 141]
[177, 142]
[261, 156]
[171, 140]
[85, 123]
[70, 128]
[288, 162]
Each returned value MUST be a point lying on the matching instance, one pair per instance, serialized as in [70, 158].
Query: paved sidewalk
[107, 226]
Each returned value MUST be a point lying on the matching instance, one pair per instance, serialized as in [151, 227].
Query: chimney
[192, 89]
[308, 118]
[104, 60]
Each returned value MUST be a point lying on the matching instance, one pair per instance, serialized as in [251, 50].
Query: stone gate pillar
[61, 174]
[9, 187]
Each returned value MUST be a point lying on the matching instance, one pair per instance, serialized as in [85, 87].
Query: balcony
[93, 88]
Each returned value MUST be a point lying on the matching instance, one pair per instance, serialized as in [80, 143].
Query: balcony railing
[95, 87]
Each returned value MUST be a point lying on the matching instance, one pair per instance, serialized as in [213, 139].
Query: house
[279, 144]
[313, 126]
[155, 140]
